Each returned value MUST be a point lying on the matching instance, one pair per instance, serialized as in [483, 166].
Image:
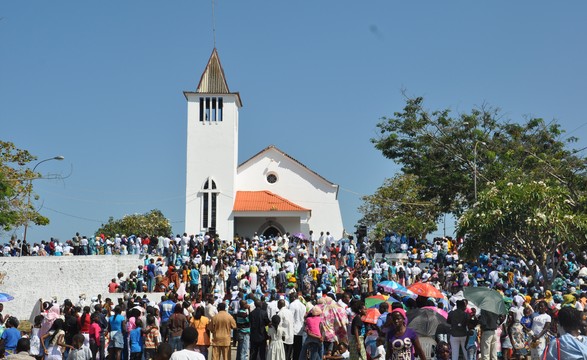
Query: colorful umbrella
[438, 310]
[371, 316]
[486, 299]
[300, 236]
[5, 297]
[375, 300]
[394, 287]
[426, 290]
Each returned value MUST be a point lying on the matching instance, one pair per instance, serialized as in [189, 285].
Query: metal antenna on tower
[213, 25]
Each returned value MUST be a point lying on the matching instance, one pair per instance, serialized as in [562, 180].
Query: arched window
[209, 204]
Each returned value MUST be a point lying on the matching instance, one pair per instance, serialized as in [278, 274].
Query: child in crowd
[151, 338]
[35, 349]
[341, 354]
[443, 351]
[136, 341]
[276, 349]
[79, 351]
[527, 321]
[380, 351]
[472, 343]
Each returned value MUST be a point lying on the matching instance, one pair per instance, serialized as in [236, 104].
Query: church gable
[283, 160]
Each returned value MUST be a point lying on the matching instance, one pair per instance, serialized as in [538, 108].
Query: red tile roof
[263, 201]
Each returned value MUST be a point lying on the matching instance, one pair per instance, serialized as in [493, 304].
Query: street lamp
[26, 224]
[475, 166]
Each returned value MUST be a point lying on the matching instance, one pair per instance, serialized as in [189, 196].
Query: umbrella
[486, 299]
[438, 310]
[372, 301]
[5, 297]
[300, 236]
[425, 322]
[394, 287]
[426, 290]
[371, 316]
[390, 301]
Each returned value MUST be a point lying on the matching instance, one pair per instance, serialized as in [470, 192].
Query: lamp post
[475, 166]
[26, 224]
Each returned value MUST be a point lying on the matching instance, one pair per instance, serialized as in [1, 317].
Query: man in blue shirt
[166, 308]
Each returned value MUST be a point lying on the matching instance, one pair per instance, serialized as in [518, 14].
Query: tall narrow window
[201, 109]
[205, 211]
[213, 210]
[207, 109]
[209, 204]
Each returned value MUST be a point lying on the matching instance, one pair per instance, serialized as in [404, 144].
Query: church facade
[269, 193]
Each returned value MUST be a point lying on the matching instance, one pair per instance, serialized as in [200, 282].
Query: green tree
[528, 219]
[152, 223]
[397, 206]
[16, 186]
[445, 151]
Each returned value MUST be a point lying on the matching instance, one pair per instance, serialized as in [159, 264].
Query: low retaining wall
[30, 278]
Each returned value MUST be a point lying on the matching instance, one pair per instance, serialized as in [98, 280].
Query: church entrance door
[271, 231]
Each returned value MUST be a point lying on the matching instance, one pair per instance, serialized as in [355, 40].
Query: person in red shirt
[113, 286]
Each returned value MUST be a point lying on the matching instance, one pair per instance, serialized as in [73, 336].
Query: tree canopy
[396, 207]
[152, 223]
[444, 150]
[532, 220]
[531, 195]
[16, 186]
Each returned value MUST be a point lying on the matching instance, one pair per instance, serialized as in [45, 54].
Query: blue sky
[101, 84]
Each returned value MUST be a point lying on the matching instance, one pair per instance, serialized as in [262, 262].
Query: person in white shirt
[189, 338]
[287, 324]
[272, 307]
[299, 312]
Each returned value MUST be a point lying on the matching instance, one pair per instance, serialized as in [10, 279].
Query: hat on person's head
[400, 311]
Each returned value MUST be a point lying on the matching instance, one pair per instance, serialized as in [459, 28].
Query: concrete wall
[33, 277]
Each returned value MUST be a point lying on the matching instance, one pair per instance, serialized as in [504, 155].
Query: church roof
[213, 80]
[263, 201]
[270, 147]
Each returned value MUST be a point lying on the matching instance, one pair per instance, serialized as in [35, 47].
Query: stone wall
[33, 277]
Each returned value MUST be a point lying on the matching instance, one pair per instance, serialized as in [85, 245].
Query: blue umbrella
[394, 287]
[5, 297]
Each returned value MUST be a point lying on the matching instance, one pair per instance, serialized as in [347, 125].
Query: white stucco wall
[212, 151]
[298, 185]
[30, 278]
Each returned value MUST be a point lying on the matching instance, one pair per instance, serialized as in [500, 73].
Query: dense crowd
[316, 297]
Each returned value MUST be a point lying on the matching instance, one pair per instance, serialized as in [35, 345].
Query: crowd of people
[312, 297]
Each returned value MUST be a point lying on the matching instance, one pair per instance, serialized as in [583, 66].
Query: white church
[269, 193]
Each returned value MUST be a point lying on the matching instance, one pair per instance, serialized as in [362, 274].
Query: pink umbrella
[438, 310]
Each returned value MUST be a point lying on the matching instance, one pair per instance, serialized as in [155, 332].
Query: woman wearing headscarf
[403, 341]
[50, 313]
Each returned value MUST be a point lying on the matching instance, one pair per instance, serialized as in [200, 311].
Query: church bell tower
[212, 153]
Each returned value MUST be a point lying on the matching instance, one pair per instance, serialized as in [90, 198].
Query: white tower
[212, 153]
